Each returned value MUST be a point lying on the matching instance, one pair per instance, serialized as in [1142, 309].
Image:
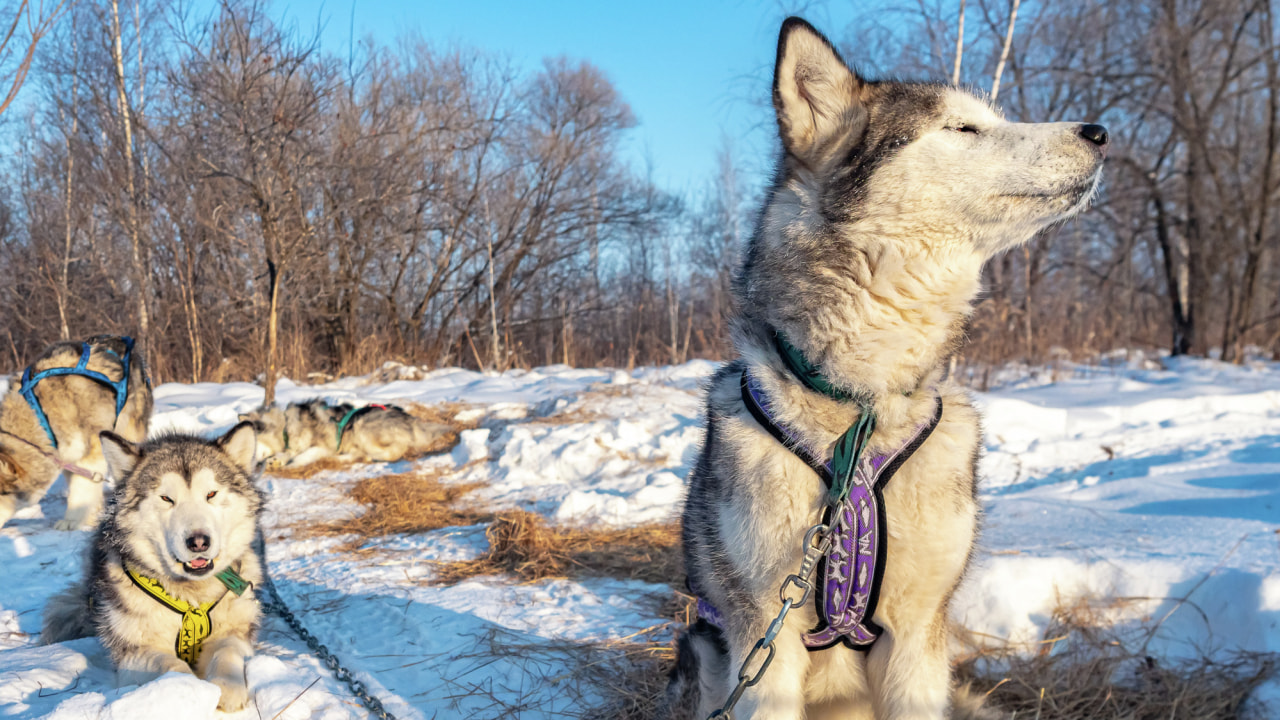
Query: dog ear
[121, 455]
[815, 94]
[240, 443]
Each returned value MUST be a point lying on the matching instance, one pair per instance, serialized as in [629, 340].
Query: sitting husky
[170, 576]
[887, 200]
[305, 432]
[51, 417]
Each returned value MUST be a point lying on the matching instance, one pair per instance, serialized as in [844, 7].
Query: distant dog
[855, 290]
[51, 417]
[305, 432]
[170, 578]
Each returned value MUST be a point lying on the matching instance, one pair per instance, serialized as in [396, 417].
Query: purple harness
[847, 586]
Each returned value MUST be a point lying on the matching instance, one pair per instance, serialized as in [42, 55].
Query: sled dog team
[831, 513]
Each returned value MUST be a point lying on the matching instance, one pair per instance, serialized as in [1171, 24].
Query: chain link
[274, 605]
[817, 540]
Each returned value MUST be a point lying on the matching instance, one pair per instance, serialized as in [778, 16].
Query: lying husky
[51, 417]
[888, 199]
[305, 432]
[170, 576]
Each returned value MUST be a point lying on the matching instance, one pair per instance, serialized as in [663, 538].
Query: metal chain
[273, 604]
[817, 540]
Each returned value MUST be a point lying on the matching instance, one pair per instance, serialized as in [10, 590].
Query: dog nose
[1095, 134]
[197, 542]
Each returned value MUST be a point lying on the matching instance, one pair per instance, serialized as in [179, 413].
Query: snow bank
[1158, 485]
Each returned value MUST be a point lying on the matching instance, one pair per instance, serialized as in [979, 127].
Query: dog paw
[235, 695]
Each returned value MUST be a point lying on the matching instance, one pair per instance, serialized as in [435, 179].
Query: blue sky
[694, 73]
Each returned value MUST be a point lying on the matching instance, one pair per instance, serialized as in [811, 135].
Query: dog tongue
[199, 563]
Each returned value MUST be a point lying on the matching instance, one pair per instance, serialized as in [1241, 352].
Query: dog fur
[172, 489]
[379, 435]
[887, 201]
[78, 409]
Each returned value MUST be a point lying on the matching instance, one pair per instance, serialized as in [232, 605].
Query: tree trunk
[1004, 52]
[273, 335]
[64, 288]
[141, 274]
[955, 71]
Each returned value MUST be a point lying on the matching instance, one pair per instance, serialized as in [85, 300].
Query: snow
[1151, 482]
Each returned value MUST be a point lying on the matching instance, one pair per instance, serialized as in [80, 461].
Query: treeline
[242, 202]
[249, 205]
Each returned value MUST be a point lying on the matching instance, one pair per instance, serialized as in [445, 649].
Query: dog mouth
[198, 566]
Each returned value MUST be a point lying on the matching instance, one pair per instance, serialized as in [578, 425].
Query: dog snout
[198, 541]
[1097, 135]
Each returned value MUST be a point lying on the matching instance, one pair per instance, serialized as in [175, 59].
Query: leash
[71, 468]
[847, 543]
[276, 606]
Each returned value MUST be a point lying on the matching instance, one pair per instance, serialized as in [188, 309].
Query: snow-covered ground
[1137, 483]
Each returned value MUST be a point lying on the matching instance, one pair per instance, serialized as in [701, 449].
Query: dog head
[926, 162]
[269, 424]
[185, 507]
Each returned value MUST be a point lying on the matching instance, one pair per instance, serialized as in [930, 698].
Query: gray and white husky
[76, 407]
[170, 576]
[305, 432]
[887, 200]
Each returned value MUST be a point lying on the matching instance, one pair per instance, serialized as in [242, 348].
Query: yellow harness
[196, 624]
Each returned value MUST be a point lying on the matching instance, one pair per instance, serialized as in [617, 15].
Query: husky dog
[305, 432]
[54, 425]
[887, 200]
[170, 575]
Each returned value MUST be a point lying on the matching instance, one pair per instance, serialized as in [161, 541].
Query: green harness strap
[850, 446]
[343, 423]
[196, 623]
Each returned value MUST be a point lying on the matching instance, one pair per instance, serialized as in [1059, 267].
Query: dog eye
[210, 495]
[167, 499]
[964, 129]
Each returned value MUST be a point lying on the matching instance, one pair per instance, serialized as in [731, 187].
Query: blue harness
[121, 386]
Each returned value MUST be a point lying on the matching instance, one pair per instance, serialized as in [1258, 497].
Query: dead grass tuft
[443, 413]
[523, 544]
[302, 472]
[412, 502]
[1087, 668]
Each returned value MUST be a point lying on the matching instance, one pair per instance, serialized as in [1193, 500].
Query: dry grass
[302, 472]
[443, 413]
[524, 545]
[1089, 669]
[412, 502]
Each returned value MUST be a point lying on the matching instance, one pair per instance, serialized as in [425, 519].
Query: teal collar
[849, 448]
[806, 372]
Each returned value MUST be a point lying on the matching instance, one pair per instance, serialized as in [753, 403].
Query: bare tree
[31, 21]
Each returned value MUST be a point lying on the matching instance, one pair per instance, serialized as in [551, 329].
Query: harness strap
[351, 415]
[196, 623]
[847, 589]
[120, 387]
